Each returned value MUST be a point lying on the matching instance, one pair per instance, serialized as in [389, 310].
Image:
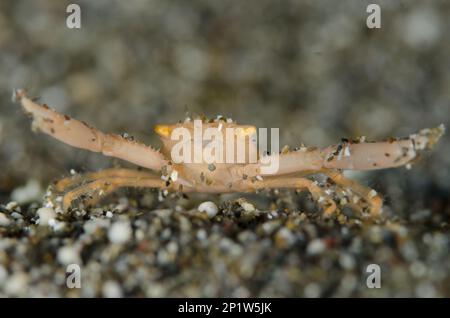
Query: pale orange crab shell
[227, 129]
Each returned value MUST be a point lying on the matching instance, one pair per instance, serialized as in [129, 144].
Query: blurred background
[311, 68]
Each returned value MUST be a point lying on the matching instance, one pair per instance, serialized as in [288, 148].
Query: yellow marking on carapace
[162, 130]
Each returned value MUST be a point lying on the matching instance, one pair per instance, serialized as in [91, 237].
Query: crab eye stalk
[245, 131]
[162, 130]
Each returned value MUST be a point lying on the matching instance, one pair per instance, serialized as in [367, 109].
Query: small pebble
[120, 232]
[270, 226]
[347, 261]
[11, 205]
[417, 269]
[112, 289]
[316, 247]
[31, 191]
[247, 206]
[4, 221]
[16, 215]
[284, 238]
[172, 247]
[56, 225]
[166, 233]
[312, 290]
[209, 207]
[16, 284]
[45, 215]
[201, 235]
[68, 255]
[165, 257]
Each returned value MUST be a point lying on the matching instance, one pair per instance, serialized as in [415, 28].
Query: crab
[295, 166]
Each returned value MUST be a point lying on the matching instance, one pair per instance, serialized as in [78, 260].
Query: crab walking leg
[299, 183]
[64, 184]
[368, 194]
[81, 135]
[102, 193]
[107, 185]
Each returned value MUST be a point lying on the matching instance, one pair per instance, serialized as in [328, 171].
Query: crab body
[218, 156]
[204, 154]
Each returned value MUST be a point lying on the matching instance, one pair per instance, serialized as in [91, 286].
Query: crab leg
[105, 185]
[299, 183]
[69, 182]
[81, 135]
[352, 155]
[380, 155]
[368, 194]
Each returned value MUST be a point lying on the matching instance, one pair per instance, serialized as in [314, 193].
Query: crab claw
[427, 138]
[81, 135]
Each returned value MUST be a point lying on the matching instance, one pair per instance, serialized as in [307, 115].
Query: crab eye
[247, 131]
[162, 130]
[250, 131]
